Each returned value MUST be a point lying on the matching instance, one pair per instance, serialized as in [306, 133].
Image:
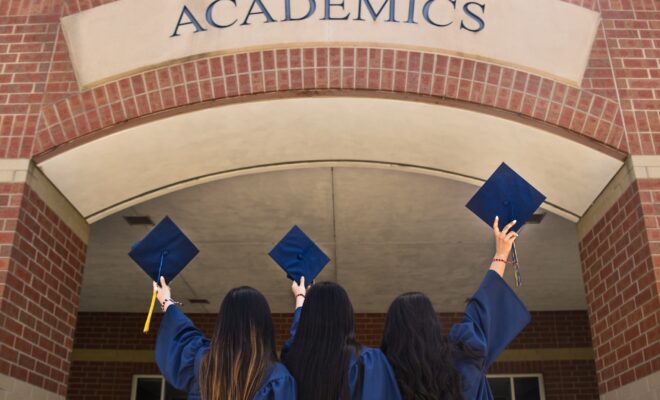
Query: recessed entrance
[386, 231]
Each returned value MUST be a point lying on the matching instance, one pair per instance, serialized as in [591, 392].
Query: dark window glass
[148, 389]
[173, 394]
[501, 388]
[527, 388]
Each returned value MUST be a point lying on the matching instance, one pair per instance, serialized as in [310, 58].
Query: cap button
[506, 203]
[300, 256]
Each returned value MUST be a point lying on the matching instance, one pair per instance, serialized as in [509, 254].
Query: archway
[350, 171]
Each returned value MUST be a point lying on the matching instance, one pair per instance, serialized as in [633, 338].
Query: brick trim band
[141, 356]
[581, 112]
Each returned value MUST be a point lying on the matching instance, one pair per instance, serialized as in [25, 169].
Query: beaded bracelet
[502, 260]
[162, 306]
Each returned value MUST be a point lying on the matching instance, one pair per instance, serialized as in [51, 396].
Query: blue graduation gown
[493, 318]
[379, 382]
[180, 347]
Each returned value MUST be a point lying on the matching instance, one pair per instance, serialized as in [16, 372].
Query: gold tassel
[151, 311]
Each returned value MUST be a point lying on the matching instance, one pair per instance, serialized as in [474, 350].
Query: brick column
[620, 251]
[42, 252]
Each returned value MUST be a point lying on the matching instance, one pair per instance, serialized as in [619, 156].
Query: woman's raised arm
[299, 292]
[503, 243]
[179, 344]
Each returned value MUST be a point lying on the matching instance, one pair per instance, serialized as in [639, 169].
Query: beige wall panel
[647, 388]
[549, 37]
[15, 389]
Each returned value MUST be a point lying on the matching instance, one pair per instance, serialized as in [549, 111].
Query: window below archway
[154, 387]
[517, 387]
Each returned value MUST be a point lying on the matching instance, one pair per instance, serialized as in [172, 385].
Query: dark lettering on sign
[191, 21]
[328, 4]
[427, 17]
[209, 15]
[411, 12]
[472, 15]
[469, 14]
[375, 14]
[287, 11]
[263, 11]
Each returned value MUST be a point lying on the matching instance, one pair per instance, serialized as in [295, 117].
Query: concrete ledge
[14, 170]
[147, 356]
[14, 389]
[647, 388]
[23, 171]
[103, 355]
[558, 354]
[635, 167]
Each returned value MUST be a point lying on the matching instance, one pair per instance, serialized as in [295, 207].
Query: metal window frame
[147, 376]
[511, 378]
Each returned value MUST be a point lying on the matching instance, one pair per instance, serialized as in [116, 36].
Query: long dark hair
[324, 344]
[421, 356]
[242, 348]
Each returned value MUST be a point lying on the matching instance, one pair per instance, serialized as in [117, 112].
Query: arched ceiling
[146, 161]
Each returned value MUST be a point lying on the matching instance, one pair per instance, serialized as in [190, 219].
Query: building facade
[236, 118]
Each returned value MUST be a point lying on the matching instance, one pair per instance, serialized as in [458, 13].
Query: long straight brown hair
[242, 348]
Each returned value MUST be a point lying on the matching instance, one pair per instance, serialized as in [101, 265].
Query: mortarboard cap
[165, 251]
[299, 256]
[507, 195]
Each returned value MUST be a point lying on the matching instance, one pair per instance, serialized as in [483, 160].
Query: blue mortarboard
[299, 256]
[507, 195]
[165, 251]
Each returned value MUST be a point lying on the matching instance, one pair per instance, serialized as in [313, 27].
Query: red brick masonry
[41, 263]
[621, 268]
[622, 71]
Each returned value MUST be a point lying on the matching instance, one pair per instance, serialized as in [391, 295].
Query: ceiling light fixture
[138, 220]
[536, 218]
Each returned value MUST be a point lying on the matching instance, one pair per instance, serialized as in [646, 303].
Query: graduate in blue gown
[238, 362]
[323, 355]
[431, 366]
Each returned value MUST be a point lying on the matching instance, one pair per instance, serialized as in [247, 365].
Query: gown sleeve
[379, 382]
[292, 333]
[280, 386]
[179, 348]
[493, 317]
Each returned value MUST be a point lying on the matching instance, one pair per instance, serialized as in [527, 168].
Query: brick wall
[631, 30]
[548, 329]
[583, 112]
[105, 380]
[621, 264]
[41, 262]
[35, 72]
[32, 74]
[562, 380]
[40, 105]
[112, 380]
